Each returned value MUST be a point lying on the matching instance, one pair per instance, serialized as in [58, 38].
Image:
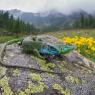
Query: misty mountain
[49, 19]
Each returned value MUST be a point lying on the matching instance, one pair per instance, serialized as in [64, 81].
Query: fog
[65, 6]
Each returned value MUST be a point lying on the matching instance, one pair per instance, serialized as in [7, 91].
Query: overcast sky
[66, 6]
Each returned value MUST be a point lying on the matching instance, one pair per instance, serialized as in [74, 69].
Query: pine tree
[17, 28]
[91, 21]
[82, 21]
[14, 26]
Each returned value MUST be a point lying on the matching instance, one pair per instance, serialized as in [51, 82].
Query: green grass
[6, 38]
[72, 33]
[59, 34]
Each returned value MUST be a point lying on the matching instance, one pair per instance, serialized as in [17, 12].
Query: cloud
[66, 6]
[26, 5]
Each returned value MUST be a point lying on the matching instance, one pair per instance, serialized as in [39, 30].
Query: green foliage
[73, 33]
[14, 26]
[87, 21]
[6, 38]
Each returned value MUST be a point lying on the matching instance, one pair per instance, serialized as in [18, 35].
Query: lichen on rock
[2, 71]
[32, 88]
[16, 72]
[73, 79]
[62, 90]
[46, 79]
[44, 66]
[35, 76]
[5, 86]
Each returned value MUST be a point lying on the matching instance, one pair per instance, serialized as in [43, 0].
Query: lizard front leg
[36, 53]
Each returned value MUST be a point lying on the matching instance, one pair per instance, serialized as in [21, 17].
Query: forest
[85, 22]
[14, 26]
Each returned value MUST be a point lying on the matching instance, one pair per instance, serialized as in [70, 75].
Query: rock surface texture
[29, 75]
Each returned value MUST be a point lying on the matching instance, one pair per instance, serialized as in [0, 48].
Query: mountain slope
[49, 19]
